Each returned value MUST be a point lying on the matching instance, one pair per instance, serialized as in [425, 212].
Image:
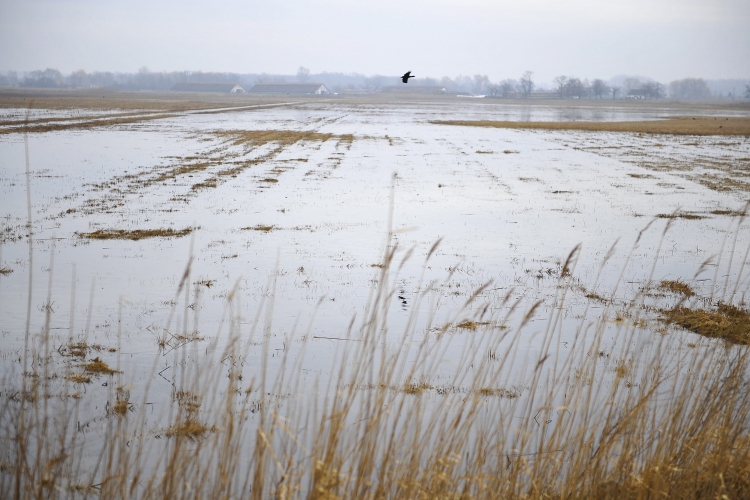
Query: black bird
[406, 77]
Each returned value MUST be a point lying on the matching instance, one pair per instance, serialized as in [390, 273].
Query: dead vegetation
[79, 378]
[135, 234]
[98, 367]
[689, 125]
[680, 215]
[678, 287]
[5, 271]
[260, 227]
[725, 321]
[471, 325]
[189, 428]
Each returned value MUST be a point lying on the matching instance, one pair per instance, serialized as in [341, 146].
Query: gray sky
[663, 39]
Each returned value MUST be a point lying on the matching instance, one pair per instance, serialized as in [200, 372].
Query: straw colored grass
[677, 287]
[260, 227]
[98, 367]
[688, 125]
[612, 412]
[727, 322]
[135, 234]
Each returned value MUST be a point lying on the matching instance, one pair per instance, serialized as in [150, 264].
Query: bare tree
[574, 87]
[615, 91]
[599, 88]
[560, 82]
[631, 84]
[747, 91]
[526, 84]
[78, 79]
[481, 84]
[506, 87]
[689, 88]
[654, 90]
[303, 74]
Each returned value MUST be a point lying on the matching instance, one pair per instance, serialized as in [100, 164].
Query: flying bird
[406, 77]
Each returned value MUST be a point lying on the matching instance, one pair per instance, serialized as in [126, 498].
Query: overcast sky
[663, 39]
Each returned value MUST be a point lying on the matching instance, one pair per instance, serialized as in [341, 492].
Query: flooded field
[271, 239]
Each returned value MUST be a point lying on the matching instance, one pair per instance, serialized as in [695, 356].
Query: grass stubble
[673, 424]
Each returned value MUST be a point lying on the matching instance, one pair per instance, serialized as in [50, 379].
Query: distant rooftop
[289, 88]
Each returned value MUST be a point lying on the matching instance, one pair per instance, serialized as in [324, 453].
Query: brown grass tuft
[189, 428]
[501, 392]
[136, 234]
[680, 215]
[79, 378]
[727, 322]
[5, 271]
[676, 286]
[259, 227]
[97, 366]
[471, 325]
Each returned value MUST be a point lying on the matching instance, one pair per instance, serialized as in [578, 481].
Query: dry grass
[98, 367]
[189, 428]
[676, 286]
[135, 234]
[281, 137]
[471, 325]
[416, 413]
[79, 378]
[680, 215]
[5, 271]
[689, 125]
[259, 227]
[727, 322]
[731, 213]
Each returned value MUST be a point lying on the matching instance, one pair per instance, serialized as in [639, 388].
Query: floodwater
[300, 226]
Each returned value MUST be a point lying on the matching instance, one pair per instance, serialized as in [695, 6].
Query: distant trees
[689, 88]
[526, 84]
[10, 79]
[630, 84]
[574, 87]
[303, 74]
[481, 84]
[747, 91]
[654, 90]
[599, 88]
[560, 82]
[49, 78]
[615, 90]
[78, 79]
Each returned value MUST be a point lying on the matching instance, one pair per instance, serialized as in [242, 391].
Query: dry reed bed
[731, 126]
[627, 422]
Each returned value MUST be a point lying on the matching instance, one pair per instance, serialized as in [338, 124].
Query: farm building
[412, 89]
[224, 88]
[290, 88]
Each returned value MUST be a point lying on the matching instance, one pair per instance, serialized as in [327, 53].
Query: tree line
[563, 87]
